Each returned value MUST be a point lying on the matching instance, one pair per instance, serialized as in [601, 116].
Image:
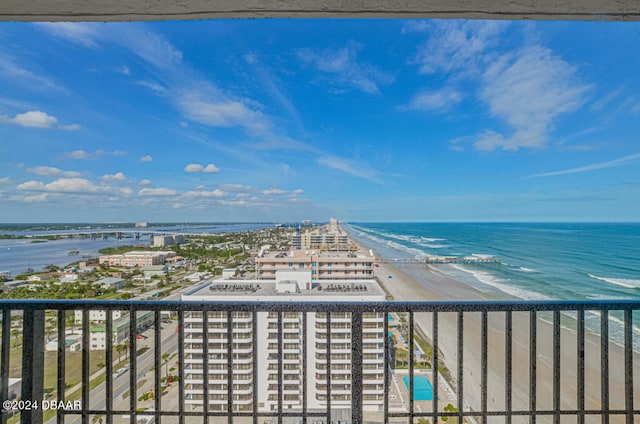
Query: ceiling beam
[152, 10]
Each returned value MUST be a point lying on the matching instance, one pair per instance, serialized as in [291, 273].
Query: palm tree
[15, 333]
[119, 349]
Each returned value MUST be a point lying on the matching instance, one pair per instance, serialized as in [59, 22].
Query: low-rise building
[324, 265]
[136, 258]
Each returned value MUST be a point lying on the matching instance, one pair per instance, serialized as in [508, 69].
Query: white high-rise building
[304, 354]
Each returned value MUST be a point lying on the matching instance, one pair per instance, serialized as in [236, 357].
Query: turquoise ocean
[539, 261]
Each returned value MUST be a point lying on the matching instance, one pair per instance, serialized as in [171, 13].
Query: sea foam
[624, 282]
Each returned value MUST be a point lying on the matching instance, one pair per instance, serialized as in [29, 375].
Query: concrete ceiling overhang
[152, 10]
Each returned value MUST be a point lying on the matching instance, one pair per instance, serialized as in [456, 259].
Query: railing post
[33, 363]
[356, 367]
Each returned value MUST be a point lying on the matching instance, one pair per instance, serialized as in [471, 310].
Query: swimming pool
[422, 389]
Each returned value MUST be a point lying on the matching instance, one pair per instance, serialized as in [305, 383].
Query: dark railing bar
[580, 356]
[328, 315]
[434, 344]
[229, 367]
[356, 367]
[205, 364]
[133, 372]
[533, 361]
[181, 359]
[62, 356]
[157, 350]
[254, 367]
[4, 357]
[411, 364]
[86, 361]
[484, 359]
[604, 359]
[460, 387]
[387, 364]
[304, 368]
[280, 376]
[109, 368]
[556, 366]
[628, 363]
[508, 372]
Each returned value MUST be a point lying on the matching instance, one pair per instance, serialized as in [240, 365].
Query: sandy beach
[435, 286]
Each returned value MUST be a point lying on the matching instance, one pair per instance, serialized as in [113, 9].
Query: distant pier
[443, 260]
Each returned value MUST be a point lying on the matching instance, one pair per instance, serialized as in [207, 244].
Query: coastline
[434, 286]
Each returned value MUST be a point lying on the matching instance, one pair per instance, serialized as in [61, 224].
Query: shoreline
[434, 286]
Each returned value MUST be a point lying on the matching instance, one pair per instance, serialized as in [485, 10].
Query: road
[144, 365]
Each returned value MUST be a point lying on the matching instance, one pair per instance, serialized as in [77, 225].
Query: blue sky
[284, 120]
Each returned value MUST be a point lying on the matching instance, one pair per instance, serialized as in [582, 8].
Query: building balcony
[545, 361]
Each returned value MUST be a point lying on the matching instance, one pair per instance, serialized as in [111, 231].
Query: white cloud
[298, 191]
[211, 169]
[414, 25]
[211, 107]
[204, 193]
[147, 158]
[119, 176]
[36, 198]
[85, 34]
[593, 167]
[124, 70]
[37, 119]
[78, 154]
[49, 171]
[196, 167]
[272, 191]
[145, 182]
[528, 90]
[5, 180]
[235, 187]
[157, 192]
[98, 154]
[350, 167]
[458, 46]
[62, 185]
[342, 68]
[153, 86]
[439, 101]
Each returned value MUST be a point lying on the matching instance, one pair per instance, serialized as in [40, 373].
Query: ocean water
[540, 261]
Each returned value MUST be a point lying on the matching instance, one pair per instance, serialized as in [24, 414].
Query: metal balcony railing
[304, 390]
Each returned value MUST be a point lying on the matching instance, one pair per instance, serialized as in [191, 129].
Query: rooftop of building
[308, 253]
[255, 290]
[134, 253]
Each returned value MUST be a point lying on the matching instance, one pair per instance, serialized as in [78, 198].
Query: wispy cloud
[146, 158]
[457, 46]
[436, 101]
[31, 79]
[157, 192]
[593, 167]
[37, 119]
[342, 69]
[356, 169]
[98, 154]
[79, 33]
[528, 90]
[49, 171]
